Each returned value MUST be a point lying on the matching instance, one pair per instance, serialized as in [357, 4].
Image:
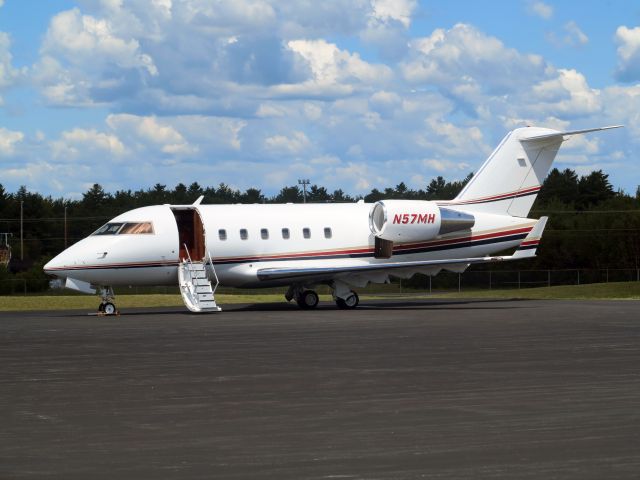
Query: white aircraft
[304, 245]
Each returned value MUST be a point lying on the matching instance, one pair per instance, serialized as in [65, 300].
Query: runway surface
[434, 389]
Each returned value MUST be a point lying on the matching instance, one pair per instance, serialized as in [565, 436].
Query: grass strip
[595, 291]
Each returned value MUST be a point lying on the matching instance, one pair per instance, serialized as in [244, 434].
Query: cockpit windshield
[140, 228]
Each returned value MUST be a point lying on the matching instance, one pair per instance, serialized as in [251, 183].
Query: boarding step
[195, 287]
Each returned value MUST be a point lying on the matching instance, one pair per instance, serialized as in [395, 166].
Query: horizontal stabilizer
[529, 245]
[548, 136]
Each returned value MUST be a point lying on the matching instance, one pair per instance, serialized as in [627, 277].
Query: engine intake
[415, 220]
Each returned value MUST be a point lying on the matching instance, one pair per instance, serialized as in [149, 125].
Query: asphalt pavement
[393, 390]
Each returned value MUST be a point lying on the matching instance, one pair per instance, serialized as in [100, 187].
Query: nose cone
[55, 266]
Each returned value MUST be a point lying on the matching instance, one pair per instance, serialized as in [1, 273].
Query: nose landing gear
[107, 305]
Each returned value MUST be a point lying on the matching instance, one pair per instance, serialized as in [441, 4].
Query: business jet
[344, 246]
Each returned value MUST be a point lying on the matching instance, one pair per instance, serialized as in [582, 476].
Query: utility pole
[304, 182]
[21, 229]
[65, 227]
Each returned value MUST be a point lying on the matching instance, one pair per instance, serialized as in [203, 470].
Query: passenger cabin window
[285, 233]
[327, 232]
[244, 234]
[264, 233]
[222, 234]
[306, 233]
[141, 228]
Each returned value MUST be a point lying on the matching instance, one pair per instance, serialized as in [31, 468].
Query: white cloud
[622, 106]
[449, 140]
[330, 65]
[78, 37]
[573, 36]
[148, 129]
[445, 166]
[83, 59]
[540, 9]
[568, 93]
[8, 141]
[628, 40]
[212, 91]
[8, 75]
[393, 10]
[296, 143]
[81, 144]
[465, 56]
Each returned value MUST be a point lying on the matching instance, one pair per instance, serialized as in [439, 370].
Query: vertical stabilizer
[509, 180]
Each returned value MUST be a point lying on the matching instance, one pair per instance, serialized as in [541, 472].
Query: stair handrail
[188, 255]
[213, 269]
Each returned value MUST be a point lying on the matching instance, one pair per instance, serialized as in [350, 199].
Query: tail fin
[509, 180]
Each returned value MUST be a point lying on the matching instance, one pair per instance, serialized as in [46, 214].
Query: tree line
[591, 225]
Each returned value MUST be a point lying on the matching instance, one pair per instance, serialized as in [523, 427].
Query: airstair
[195, 285]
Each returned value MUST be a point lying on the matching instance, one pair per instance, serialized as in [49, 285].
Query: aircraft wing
[526, 249]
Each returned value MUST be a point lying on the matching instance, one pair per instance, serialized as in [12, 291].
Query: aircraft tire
[348, 303]
[308, 300]
[109, 308]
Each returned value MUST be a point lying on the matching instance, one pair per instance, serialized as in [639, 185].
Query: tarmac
[393, 390]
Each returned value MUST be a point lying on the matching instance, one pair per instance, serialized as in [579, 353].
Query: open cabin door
[193, 276]
[191, 233]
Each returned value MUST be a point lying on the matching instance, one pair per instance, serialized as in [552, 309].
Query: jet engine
[415, 220]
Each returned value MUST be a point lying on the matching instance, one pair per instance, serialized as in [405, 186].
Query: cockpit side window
[119, 228]
[108, 229]
[142, 228]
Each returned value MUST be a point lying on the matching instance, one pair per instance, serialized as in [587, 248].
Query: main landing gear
[306, 299]
[107, 305]
[348, 303]
[345, 298]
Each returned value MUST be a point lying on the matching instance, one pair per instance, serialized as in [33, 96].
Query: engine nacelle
[415, 220]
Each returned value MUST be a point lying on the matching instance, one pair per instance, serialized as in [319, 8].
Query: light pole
[21, 229]
[304, 182]
[65, 227]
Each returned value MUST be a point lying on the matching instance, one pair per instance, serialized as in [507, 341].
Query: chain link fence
[443, 282]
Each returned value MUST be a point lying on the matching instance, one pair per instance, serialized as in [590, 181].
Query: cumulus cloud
[81, 143]
[239, 91]
[8, 74]
[628, 40]
[78, 38]
[331, 66]
[152, 132]
[294, 144]
[445, 166]
[568, 93]
[464, 56]
[387, 26]
[540, 9]
[8, 141]
[83, 58]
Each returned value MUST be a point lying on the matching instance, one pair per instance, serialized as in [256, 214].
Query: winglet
[527, 248]
[198, 201]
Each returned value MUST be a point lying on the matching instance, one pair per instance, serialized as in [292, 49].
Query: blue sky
[352, 94]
